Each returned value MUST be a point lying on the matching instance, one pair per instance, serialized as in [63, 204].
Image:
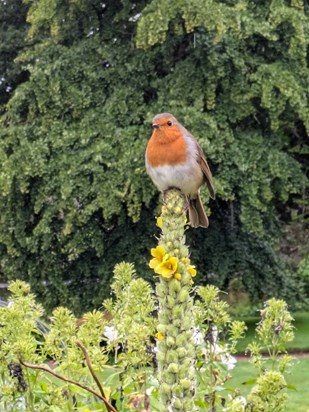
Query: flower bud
[170, 341]
[172, 357]
[181, 340]
[170, 302]
[169, 377]
[175, 286]
[177, 312]
[177, 405]
[185, 383]
[182, 352]
[161, 328]
[166, 389]
[173, 368]
[183, 295]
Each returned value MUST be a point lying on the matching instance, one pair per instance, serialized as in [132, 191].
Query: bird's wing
[205, 168]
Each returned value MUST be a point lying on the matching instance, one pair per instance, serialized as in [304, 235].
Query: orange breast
[164, 151]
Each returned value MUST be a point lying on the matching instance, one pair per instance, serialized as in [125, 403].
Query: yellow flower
[185, 260]
[191, 269]
[159, 222]
[177, 276]
[158, 254]
[159, 336]
[167, 268]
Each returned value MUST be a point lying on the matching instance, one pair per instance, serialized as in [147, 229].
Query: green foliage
[22, 340]
[217, 337]
[303, 272]
[120, 346]
[75, 198]
[131, 317]
[273, 332]
[13, 30]
[21, 314]
[275, 328]
[267, 393]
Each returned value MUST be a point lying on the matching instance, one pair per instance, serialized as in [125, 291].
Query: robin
[174, 159]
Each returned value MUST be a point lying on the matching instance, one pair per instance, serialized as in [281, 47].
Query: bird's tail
[197, 215]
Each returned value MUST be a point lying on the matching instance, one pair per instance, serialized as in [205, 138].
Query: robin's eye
[169, 123]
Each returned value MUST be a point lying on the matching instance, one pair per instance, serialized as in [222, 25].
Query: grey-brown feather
[197, 215]
[207, 173]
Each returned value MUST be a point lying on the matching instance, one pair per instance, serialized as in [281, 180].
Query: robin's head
[165, 127]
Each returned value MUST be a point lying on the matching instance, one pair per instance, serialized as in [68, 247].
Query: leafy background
[79, 84]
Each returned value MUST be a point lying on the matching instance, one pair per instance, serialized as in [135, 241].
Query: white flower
[111, 333]
[198, 337]
[229, 361]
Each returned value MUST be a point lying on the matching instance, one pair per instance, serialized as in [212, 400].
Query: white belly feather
[187, 177]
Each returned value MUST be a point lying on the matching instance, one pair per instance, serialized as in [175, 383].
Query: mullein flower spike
[175, 345]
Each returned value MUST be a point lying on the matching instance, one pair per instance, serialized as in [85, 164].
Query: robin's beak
[155, 125]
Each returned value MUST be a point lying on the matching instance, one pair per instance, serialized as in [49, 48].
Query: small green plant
[216, 340]
[273, 332]
[130, 334]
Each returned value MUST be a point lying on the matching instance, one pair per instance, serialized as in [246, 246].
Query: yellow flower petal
[159, 222]
[159, 336]
[159, 254]
[191, 269]
[177, 276]
[185, 260]
[154, 263]
[167, 268]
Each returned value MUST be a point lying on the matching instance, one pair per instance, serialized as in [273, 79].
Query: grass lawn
[299, 377]
[300, 342]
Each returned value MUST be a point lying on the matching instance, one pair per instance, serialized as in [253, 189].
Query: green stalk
[175, 346]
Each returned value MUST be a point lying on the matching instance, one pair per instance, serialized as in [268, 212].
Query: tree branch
[65, 379]
[87, 359]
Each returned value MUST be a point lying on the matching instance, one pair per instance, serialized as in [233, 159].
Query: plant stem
[84, 350]
[65, 379]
